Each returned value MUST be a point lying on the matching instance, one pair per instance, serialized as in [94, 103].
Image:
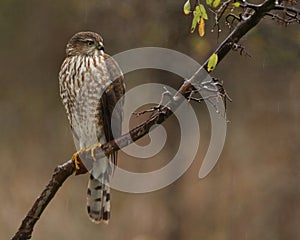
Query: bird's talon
[92, 149]
[80, 168]
[75, 158]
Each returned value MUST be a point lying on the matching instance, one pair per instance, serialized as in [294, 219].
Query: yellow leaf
[197, 11]
[203, 13]
[187, 7]
[209, 2]
[212, 62]
[216, 3]
[236, 4]
[201, 28]
[195, 19]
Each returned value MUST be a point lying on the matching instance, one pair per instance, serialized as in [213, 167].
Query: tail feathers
[98, 200]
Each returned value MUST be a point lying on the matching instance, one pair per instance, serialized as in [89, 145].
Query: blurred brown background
[252, 193]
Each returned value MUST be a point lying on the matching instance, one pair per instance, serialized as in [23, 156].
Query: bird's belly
[87, 129]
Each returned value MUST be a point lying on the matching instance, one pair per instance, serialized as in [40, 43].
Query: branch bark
[62, 172]
[240, 30]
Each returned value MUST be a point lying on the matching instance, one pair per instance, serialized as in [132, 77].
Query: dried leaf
[201, 28]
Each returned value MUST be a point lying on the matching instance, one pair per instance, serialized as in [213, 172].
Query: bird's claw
[92, 150]
[83, 158]
[79, 166]
[75, 159]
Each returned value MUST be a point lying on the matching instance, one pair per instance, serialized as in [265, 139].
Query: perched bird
[91, 86]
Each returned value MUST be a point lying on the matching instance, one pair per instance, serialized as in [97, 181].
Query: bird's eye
[90, 43]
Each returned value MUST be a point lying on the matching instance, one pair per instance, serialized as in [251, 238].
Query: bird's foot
[76, 161]
[79, 166]
[94, 148]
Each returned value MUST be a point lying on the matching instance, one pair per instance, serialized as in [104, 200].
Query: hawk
[92, 86]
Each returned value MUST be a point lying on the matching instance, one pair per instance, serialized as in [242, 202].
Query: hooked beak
[100, 46]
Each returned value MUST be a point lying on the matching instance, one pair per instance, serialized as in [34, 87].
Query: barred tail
[98, 200]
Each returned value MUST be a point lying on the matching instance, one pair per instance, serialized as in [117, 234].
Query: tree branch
[240, 30]
[294, 10]
[62, 172]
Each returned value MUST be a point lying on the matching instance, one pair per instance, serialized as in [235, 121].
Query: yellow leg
[92, 149]
[79, 166]
[75, 159]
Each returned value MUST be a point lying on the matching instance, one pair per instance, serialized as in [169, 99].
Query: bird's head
[85, 43]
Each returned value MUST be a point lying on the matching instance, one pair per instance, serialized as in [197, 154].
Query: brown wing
[112, 123]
